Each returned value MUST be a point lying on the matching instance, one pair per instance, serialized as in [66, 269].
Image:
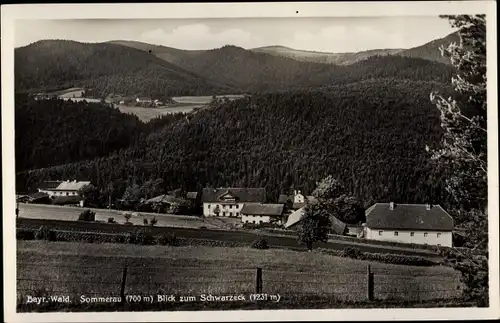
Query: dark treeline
[54, 132]
[106, 68]
[370, 135]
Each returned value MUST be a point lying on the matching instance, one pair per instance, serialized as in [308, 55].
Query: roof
[408, 217]
[67, 200]
[337, 226]
[250, 195]
[192, 195]
[49, 185]
[71, 185]
[294, 217]
[38, 195]
[263, 209]
[144, 98]
[165, 198]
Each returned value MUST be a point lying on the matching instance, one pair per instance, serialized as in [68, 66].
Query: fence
[354, 285]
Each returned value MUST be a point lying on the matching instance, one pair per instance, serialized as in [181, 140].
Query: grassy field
[146, 114]
[53, 212]
[203, 99]
[96, 269]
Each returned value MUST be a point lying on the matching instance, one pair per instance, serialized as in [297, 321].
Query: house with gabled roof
[409, 223]
[229, 201]
[295, 201]
[262, 213]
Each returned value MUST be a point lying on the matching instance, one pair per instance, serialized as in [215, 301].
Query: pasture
[146, 114]
[204, 99]
[74, 269]
[66, 213]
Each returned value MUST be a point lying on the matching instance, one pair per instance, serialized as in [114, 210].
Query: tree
[333, 197]
[314, 226]
[90, 194]
[462, 154]
[463, 150]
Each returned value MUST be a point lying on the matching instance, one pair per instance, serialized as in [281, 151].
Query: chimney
[428, 207]
[391, 205]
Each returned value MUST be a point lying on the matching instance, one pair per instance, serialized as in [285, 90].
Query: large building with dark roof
[229, 201]
[409, 223]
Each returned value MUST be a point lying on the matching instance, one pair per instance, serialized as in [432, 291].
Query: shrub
[44, 233]
[127, 217]
[87, 215]
[121, 238]
[25, 234]
[145, 221]
[167, 239]
[143, 236]
[111, 220]
[352, 252]
[153, 221]
[260, 243]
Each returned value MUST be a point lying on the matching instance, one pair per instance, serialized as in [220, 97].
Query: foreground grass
[96, 269]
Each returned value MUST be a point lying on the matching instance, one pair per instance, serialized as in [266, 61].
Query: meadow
[70, 268]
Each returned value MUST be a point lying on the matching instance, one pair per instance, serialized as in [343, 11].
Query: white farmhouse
[226, 202]
[409, 223]
[262, 213]
[62, 188]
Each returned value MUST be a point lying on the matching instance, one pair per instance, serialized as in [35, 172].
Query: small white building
[143, 100]
[262, 213]
[228, 202]
[295, 201]
[409, 223]
[62, 188]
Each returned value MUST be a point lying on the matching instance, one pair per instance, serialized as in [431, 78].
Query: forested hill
[371, 135]
[431, 49]
[54, 132]
[257, 72]
[107, 68]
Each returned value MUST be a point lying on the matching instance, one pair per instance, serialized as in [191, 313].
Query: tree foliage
[315, 225]
[369, 135]
[462, 154]
[334, 198]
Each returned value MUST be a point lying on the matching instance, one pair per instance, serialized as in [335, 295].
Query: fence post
[258, 282]
[122, 288]
[370, 285]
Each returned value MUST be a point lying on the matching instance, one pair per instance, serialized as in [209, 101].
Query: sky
[314, 34]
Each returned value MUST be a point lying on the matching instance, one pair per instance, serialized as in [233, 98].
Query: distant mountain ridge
[324, 57]
[429, 51]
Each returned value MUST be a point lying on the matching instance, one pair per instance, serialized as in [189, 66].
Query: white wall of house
[298, 197]
[58, 193]
[226, 209]
[443, 238]
[255, 219]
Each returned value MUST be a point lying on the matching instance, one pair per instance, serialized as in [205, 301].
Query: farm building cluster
[406, 223]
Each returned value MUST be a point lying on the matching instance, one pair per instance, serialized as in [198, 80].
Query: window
[439, 245]
[260, 221]
[208, 206]
[380, 232]
[236, 205]
[237, 213]
[395, 233]
[412, 234]
[253, 221]
[438, 235]
[230, 206]
[67, 193]
[425, 234]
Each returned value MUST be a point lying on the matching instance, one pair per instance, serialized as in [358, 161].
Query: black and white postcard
[250, 161]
